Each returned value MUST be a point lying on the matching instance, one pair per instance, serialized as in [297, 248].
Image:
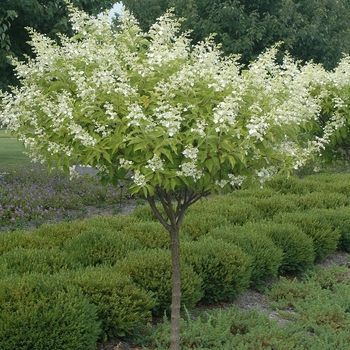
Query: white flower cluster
[190, 152]
[135, 115]
[139, 179]
[265, 174]
[225, 113]
[236, 180]
[169, 117]
[155, 163]
[189, 169]
[126, 164]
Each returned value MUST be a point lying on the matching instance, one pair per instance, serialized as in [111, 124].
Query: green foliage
[151, 270]
[27, 260]
[311, 30]
[267, 257]
[325, 238]
[97, 246]
[326, 199]
[223, 267]
[149, 234]
[10, 240]
[46, 17]
[120, 304]
[221, 329]
[40, 312]
[297, 247]
[270, 206]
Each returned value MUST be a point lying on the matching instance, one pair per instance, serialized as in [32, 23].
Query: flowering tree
[182, 119]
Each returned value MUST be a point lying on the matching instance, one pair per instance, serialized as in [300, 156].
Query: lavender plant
[29, 194]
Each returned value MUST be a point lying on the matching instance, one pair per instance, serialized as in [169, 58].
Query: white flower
[190, 152]
[189, 169]
[139, 179]
[155, 163]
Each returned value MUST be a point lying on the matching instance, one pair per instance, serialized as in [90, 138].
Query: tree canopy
[46, 16]
[316, 30]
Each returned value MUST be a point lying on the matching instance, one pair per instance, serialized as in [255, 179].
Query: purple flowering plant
[32, 193]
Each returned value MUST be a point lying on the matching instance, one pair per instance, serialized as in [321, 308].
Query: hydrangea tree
[182, 119]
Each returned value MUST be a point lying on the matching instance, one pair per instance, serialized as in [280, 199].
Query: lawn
[11, 152]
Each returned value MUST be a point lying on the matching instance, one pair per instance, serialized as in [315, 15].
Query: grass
[11, 152]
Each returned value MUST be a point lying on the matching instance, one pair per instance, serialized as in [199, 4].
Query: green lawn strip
[11, 152]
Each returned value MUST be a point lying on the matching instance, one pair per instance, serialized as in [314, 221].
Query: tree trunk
[176, 289]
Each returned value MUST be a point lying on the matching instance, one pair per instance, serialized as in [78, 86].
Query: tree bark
[176, 289]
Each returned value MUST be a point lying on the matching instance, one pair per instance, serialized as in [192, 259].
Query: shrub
[197, 224]
[267, 257]
[288, 185]
[95, 247]
[46, 261]
[322, 200]
[151, 269]
[325, 239]
[120, 304]
[297, 247]
[58, 234]
[149, 234]
[10, 240]
[40, 312]
[272, 205]
[339, 220]
[224, 268]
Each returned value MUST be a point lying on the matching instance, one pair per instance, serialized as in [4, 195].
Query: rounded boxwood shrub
[149, 234]
[272, 205]
[40, 312]
[267, 257]
[120, 304]
[151, 270]
[96, 247]
[223, 267]
[297, 247]
[197, 224]
[46, 261]
[339, 221]
[10, 240]
[325, 238]
[325, 200]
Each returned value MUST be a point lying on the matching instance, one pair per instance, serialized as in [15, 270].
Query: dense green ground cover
[117, 270]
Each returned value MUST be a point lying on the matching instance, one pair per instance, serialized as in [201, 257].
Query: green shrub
[297, 247]
[223, 267]
[288, 185]
[120, 304]
[267, 257]
[221, 329]
[151, 269]
[270, 206]
[96, 247]
[197, 224]
[325, 238]
[325, 200]
[149, 234]
[40, 312]
[339, 220]
[145, 213]
[57, 234]
[46, 261]
[10, 240]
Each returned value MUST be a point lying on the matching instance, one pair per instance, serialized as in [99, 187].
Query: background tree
[183, 119]
[310, 29]
[46, 16]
